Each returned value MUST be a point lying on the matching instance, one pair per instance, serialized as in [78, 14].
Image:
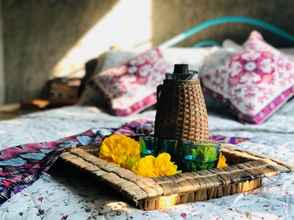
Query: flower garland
[125, 152]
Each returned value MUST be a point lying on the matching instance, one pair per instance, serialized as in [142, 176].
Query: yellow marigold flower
[164, 166]
[125, 151]
[145, 167]
[120, 149]
[222, 162]
[151, 167]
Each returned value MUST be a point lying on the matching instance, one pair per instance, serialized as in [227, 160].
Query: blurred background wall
[2, 86]
[47, 38]
[171, 17]
[39, 34]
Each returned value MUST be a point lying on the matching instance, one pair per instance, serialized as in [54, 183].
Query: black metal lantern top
[181, 72]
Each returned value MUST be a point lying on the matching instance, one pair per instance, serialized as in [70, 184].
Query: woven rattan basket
[244, 174]
[181, 111]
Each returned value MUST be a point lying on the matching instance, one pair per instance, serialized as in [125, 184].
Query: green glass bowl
[197, 156]
[169, 146]
[148, 146]
[187, 155]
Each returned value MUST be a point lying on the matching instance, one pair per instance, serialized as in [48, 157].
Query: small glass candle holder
[198, 156]
[169, 146]
[147, 146]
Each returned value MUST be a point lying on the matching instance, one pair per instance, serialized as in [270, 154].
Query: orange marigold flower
[120, 149]
[125, 151]
[151, 166]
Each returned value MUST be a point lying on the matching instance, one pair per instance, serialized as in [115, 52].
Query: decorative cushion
[255, 80]
[114, 58]
[233, 46]
[131, 87]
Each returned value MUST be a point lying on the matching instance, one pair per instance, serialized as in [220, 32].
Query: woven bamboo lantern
[181, 110]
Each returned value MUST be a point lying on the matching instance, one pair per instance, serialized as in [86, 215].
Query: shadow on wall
[38, 34]
[56, 38]
[181, 15]
[48, 38]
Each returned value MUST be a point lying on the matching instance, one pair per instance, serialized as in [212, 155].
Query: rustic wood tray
[244, 174]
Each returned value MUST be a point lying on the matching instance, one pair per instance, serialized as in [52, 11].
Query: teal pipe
[207, 43]
[228, 19]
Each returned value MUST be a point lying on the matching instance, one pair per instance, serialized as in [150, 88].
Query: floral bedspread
[65, 197]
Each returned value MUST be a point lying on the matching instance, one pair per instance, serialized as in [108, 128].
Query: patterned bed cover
[62, 197]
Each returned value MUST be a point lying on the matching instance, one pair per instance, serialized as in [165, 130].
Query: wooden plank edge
[229, 148]
[163, 202]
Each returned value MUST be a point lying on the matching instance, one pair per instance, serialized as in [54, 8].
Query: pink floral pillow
[256, 80]
[131, 87]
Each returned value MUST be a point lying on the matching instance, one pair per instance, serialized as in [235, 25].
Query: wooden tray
[244, 174]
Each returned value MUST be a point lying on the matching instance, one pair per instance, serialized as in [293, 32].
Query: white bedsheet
[70, 198]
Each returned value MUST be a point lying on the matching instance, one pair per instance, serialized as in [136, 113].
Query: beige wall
[2, 85]
[38, 34]
[45, 38]
[171, 17]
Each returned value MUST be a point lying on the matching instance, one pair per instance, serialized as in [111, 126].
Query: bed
[61, 195]
[67, 197]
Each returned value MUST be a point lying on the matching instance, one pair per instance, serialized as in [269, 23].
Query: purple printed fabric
[22, 165]
[228, 140]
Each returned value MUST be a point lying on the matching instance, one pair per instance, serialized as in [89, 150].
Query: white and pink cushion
[131, 87]
[255, 80]
[114, 58]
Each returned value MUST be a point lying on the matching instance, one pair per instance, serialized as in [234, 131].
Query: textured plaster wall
[45, 38]
[2, 84]
[38, 34]
[171, 17]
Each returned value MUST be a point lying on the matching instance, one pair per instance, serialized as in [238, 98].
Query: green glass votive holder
[169, 146]
[198, 156]
[148, 146]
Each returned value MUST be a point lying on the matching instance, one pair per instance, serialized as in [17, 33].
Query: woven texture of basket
[244, 174]
[181, 111]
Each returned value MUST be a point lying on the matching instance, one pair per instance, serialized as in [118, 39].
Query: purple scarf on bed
[22, 165]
